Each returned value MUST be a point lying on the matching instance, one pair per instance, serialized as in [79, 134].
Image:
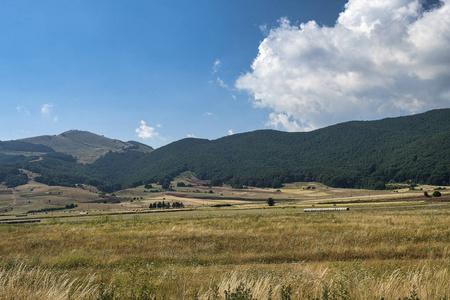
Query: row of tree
[166, 205]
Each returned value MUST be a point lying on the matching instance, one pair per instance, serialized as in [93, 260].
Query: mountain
[365, 154]
[85, 146]
[21, 148]
[356, 154]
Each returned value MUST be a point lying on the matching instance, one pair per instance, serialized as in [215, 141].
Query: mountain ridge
[343, 154]
[355, 154]
[84, 145]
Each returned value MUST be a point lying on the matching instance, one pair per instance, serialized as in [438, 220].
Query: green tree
[270, 202]
[436, 194]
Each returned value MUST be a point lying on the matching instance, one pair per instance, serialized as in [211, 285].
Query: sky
[159, 71]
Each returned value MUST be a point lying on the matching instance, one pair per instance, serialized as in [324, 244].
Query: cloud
[46, 109]
[230, 132]
[381, 58]
[207, 114]
[284, 120]
[190, 135]
[222, 84]
[23, 109]
[146, 132]
[264, 29]
[216, 65]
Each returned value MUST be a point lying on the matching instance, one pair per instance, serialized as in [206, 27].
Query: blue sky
[159, 71]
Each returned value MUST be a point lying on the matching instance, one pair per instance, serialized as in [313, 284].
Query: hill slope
[360, 154]
[353, 154]
[85, 146]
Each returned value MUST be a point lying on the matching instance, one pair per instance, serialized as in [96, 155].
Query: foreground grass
[285, 253]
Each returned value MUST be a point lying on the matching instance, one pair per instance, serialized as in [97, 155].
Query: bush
[241, 293]
[436, 194]
[270, 202]
[286, 292]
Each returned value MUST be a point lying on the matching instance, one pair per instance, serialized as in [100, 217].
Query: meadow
[388, 251]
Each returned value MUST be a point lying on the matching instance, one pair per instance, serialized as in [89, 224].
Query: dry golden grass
[365, 254]
[36, 196]
[20, 282]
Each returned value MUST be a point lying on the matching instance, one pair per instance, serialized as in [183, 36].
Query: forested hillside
[358, 154]
[353, 154]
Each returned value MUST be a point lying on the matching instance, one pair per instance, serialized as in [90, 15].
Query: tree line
[166, 205]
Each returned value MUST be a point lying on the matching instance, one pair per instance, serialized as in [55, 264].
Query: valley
[87, 217]
[387, 245]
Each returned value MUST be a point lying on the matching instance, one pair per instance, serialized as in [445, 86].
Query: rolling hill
[354, 154]
[85, 146]
[357, 154]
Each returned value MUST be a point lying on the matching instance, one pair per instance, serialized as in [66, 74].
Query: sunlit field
[370, 252]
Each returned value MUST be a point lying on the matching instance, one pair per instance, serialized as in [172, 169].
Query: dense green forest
[357, 154]
[11, 175]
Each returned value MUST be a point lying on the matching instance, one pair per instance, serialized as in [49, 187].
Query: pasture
[385, 249]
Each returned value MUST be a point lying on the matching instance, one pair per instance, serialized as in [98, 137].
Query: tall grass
[21, 282]
[426, 281]
[358, 255]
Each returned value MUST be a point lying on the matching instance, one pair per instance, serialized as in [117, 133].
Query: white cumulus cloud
[146, 132]
[381, 58]
[275, 120]
[230, 132]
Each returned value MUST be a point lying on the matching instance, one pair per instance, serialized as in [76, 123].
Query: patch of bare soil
[212, 197]
[438, 199]
[112, 200]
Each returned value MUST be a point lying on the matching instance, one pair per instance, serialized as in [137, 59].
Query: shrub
[436, 194]
[286, 292]
[241, 293]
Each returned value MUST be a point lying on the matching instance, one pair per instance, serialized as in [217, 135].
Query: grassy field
[35, 196]
[381, 250]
